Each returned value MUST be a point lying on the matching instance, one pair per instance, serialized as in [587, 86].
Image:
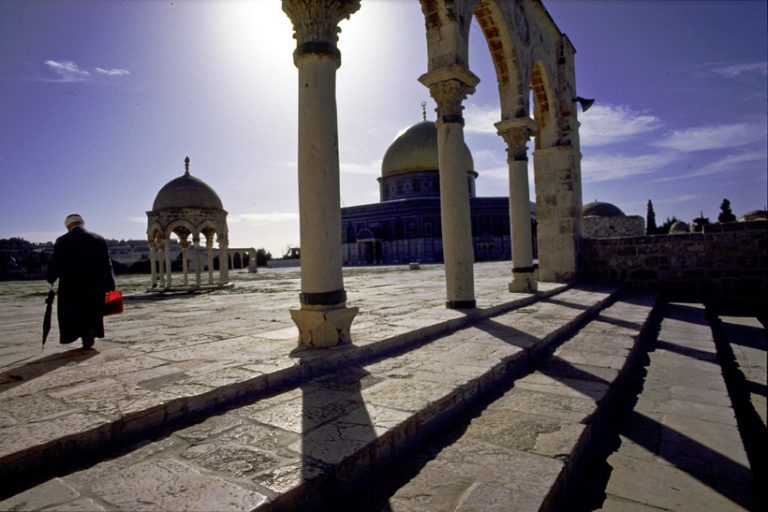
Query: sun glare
[255, 30]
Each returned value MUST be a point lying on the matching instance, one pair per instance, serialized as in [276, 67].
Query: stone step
[522, 452]
[681, 447]
[281, 452]
[76, 414]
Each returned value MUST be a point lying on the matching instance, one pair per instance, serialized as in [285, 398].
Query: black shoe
[88, 343]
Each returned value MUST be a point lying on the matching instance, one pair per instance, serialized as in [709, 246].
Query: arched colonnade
[532, 57]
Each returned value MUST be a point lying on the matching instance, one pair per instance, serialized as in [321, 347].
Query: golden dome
[415, 149]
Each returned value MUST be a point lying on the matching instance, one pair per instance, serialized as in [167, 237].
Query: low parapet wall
[726, 262]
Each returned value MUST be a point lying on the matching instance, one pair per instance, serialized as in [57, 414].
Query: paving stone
[407, 394]
[304, 413]
[211, 427]
[170, 485]
[90, 426]
[512, 429]
[520, 470]
[33, 408]
[696, 410]
[260, 436]
[436, 490]
[576, 357]
[52, 494]
[708, 446]
[113, 398]
[567, 408]
[575, 388]
[663, 486]
[614, 504]
[230, 459]
[286, 479]
[561, 367]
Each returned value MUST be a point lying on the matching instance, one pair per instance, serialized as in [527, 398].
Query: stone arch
[544, 106]
[180, 228]
[527, 50]
[513, 90]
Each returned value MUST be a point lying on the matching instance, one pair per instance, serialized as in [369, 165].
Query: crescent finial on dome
[186, 166]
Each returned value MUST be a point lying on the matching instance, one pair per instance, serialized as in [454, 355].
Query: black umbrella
[47, 316]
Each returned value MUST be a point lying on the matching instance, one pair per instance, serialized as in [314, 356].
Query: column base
[323, 326]
[461, 304]
[523, 283]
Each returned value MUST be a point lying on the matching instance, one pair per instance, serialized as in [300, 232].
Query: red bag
[113, 304]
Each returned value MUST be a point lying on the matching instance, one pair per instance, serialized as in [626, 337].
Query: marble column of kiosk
[198, 263]
[152, 264]
[324, 319]
[223, 259]
[168, 270]
[516, 133]
[449, 87]
[184, 261]
[209, 252]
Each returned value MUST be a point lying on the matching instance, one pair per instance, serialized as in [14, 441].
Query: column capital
[449, 86]
[516, 133]
[315, 25]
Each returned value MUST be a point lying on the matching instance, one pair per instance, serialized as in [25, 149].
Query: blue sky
[100, 102]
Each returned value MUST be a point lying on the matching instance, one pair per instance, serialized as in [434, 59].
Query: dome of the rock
[415, 149]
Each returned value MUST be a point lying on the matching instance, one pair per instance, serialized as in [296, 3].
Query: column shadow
[697, 460]
[338, 435]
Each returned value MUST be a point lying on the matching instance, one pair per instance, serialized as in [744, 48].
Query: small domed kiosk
[187, 206]
[679, 228]
[606, 220]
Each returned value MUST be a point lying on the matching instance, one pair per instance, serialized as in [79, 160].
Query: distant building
[405, 226]
[605, 220]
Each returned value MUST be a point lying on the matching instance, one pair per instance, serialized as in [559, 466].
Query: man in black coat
[81, 263]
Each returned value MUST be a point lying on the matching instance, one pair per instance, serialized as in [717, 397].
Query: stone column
[516, 133]
[198, 263]
[184, 261]
[209, 250]
[223, 259]
[168, 270]
[449, 87]
[152, 264]
[161, 263]
[324, 319]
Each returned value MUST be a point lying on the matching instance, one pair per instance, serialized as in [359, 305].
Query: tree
[699, 223]
[650, 220]
[262, 256]
[664, 228]
[726, 215]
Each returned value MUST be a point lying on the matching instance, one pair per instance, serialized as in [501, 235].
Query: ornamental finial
[424, 110]
[186, 166]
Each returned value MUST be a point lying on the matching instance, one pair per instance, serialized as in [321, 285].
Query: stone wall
[609, 227]
[727, 262]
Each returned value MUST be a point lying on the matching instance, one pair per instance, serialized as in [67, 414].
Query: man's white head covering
[73, 219]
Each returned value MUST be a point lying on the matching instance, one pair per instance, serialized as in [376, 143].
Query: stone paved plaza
[202, 402]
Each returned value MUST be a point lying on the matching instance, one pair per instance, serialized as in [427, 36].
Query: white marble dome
[187, 191]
